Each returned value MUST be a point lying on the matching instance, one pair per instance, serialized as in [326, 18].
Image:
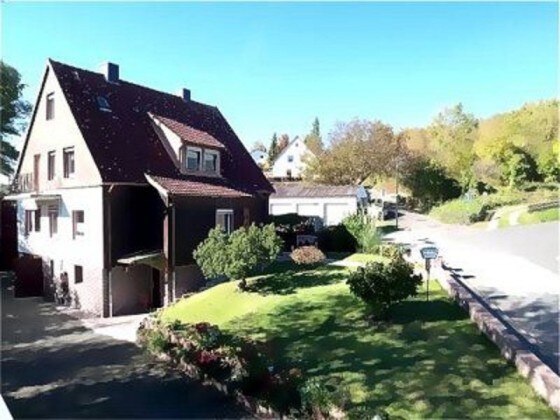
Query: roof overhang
[154, 259]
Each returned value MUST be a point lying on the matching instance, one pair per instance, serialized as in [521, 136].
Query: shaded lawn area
[430, 361]
[365, 258]
[541, 216]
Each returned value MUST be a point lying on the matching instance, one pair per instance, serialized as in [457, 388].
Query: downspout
[108, 308]
[171, 252]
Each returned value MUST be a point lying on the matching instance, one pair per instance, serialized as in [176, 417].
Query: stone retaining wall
[541, 377]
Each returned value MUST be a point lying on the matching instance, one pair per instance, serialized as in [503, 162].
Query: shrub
[307, 255]
[289, 226]
[237, 254]
[382, 285]
[362, 227]
[336, 239]
[316, 397]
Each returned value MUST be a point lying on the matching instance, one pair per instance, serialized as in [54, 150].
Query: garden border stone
[512, 346]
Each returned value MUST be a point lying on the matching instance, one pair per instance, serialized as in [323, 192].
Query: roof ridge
[129, 83]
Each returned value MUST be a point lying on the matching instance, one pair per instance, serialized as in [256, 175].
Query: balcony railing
[24, 183]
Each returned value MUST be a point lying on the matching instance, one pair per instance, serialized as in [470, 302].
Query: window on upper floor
[68, 162]
[50, 106]
[224, 219]
[103, 104]
[51, 165]
[77, 223]
[194, 157]
[211, 161]
[78, 274]
[290, 158]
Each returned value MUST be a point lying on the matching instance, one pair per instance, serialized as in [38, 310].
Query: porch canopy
[154, 259]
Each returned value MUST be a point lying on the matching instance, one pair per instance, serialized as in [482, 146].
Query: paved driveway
[54, 366]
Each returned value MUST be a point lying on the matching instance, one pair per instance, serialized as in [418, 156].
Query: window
[51, 269]
[38, 220]
[224, 219]
[77, 223]
[53, 220]
[289, 173]
[50, 106]
[50, 165]
[211, 161]
[193, 159]
[78, 274]
[290, 158]
[103, 104]
[28, 225]
[68, 162]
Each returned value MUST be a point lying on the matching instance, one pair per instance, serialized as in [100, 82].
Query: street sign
[429, 252]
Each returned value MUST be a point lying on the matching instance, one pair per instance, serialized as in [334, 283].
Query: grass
[365, 258]
[548, 215]
[430, 361]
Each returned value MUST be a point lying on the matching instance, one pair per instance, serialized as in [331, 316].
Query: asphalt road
[53, 366]
[514, 269]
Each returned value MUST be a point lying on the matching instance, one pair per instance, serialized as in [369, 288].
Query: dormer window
[103, 104]
[194, 157]
[211, 161]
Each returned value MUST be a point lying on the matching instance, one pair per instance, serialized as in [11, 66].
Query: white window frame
[226, 212]
[193, 149]
[211, 153]
[49, 106]
[77, 227]
[67, 151]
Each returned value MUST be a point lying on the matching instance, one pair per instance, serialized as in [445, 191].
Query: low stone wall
[541, 377]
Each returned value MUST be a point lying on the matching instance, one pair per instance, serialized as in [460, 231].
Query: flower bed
[235, 366]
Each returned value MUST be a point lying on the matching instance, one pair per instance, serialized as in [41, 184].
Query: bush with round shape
[307, 255]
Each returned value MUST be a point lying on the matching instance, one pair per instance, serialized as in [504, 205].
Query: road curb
[541, 377]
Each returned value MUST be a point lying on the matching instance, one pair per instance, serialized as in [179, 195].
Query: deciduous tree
[13, 109]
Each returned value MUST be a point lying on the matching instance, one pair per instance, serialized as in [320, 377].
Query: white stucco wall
[299, 151]
[331, 210]
[66, 252]
[55, 135]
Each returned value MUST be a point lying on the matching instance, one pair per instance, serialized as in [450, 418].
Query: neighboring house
[118, 183]
[259, 157]
[292, 161]
[328, 203]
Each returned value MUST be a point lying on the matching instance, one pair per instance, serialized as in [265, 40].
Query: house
[328, 203]
[260, 157]
[118, 183]
[291, 162]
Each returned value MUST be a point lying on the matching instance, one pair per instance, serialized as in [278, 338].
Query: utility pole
[397, 196]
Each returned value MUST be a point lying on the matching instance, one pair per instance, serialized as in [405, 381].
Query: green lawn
[429, 362]
[365, 258]
[541, 216]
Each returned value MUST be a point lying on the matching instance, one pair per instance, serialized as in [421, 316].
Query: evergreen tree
[273, 150]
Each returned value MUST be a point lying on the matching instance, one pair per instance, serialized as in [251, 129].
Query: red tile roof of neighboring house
[189, 134]
[123, 142]
[198, 188]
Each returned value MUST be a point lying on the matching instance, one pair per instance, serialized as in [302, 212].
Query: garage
[328, 203]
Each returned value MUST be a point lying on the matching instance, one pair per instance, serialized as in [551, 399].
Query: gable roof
[298, 189]
[123, 142]
[308, 150]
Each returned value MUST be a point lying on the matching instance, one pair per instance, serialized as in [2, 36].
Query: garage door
[334, 213]
[277, 208]
[310, 210]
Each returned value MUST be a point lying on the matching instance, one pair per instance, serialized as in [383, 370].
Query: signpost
[429, 253]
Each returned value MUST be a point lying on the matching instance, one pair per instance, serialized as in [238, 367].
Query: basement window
[103, 104]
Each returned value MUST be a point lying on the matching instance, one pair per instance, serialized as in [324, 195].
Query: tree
[313, 140]
[258, 146]
[12, 109]
[283, 142]
[453, 132]
[273, 150]
[237, 254]
[359, 149]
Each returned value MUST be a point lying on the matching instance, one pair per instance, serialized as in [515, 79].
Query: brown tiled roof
[123, 142]
[297, 189]
[189, 134]
[199, 188]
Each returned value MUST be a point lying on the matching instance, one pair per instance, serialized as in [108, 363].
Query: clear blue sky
[275, 66]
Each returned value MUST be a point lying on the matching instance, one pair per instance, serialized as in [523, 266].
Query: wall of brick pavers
[541, 377]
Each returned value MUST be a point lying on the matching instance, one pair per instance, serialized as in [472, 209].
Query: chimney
[110, 71]
[185, 94]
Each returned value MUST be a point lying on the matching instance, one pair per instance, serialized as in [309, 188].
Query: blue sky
[273, 67]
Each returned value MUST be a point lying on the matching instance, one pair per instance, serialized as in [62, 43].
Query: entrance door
[156, 289]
